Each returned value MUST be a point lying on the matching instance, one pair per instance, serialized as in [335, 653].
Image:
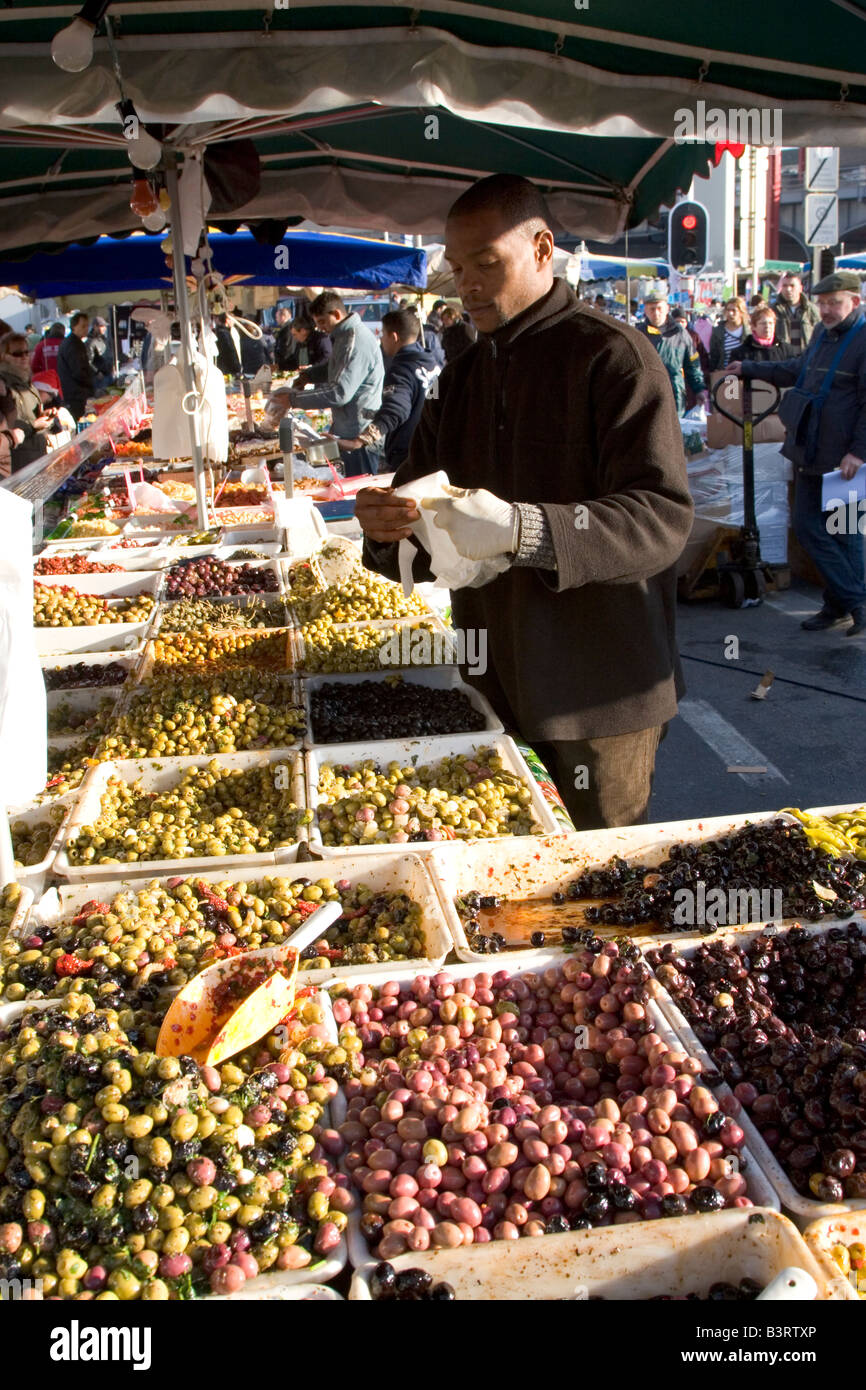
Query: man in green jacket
[676, 349]
[796, 316]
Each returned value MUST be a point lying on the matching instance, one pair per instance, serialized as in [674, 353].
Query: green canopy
[375, 115]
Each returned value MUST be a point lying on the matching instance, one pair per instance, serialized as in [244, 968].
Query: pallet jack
[743, 578]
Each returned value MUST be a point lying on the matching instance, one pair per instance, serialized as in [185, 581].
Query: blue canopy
[613, 268]
[852, 262]
[133, 263]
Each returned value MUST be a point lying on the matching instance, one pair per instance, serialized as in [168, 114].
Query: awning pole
[180, 294]
[627, 280]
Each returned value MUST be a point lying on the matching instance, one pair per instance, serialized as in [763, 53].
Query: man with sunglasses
[32, 421]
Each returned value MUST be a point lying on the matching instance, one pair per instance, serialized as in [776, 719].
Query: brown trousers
[604, 782]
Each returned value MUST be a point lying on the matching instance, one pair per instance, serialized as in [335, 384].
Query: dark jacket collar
[842, 328]
[415, 352]
[558, 303]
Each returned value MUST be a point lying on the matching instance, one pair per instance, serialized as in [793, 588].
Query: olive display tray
[100, 637]
[759, 1187]
[406, 873]
[215, 553]
[803, 1209]
[442, 636]
[55, 662]
[630, 1263]
[148, 662]
[149, 558]
[425, 750]
[157, 774]
[433, 678]
[511, 868]
[86, 699]
[22, 915]
[229, 605]
[822, 1235]
[107, 585]
[279, 1284]
[34, 875]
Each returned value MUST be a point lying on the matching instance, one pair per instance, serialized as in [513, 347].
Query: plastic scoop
[204, 1022]
[792, 1285]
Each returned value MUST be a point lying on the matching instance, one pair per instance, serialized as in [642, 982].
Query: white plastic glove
[480, 525]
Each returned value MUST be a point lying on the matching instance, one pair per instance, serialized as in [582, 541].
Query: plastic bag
[451, 568]
[170, 430]
[153, 499]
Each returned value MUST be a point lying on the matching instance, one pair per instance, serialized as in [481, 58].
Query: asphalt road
[809, 733]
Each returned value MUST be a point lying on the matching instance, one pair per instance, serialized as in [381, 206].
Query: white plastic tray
[803, 1209]
[293, 1284]
[416, 751]
[228, 606]
[148, 558]
[272, 565]
[824, 1234]
[518, 869]
[758, 1184]
[86, 700]
[157, 774]
[101, 637]
[442, 636]
[405, 873]
[51, 663]
[434, 678]
[34, 875]
[108, 585]
[629, 1263]
[22, 913]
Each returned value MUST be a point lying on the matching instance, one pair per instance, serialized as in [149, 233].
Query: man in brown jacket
[561, 423]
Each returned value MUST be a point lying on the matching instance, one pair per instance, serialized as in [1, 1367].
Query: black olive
[383, 1281]
[441, 1293]
[537, 938]
[706, 1199]
[595, 1205]
[556, 1225]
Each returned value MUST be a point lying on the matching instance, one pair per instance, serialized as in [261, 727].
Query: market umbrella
[138, 263]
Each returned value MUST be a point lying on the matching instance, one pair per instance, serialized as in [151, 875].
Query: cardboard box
[722, 432]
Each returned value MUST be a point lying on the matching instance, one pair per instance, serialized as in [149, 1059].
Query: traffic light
[688, 236]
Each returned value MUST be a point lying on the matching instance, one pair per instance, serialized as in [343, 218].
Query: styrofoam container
[34, 875]
[803, 1209]
[290, 1284]
[147, 660]
[427, 750]
[822, 1235]
[158, 774]
[434, 678]
[148, 558]
[272, 565]
[759, 1187]
[51, 663]
[109, 585]
[519, 870]
[101, 637]
[406, 873]
[628, 1263]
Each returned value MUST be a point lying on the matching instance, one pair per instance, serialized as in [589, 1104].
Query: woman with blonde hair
[728, 335]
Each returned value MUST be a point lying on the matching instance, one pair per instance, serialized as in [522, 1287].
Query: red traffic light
[690, 222]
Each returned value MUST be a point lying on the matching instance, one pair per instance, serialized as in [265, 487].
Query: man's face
[80, 329]
[791, 289]
[390, 342]
[18, 356]
[100, 329]
[498, 272]
[835, 307]
[656, 314]
[326, 323]
[300, 335]
[281, 316]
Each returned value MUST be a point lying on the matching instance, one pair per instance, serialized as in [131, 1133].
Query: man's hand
[350, 445]
[383, 516]
[41, 422]
[734, 369]
[300, 381]
[480, 524]
[849, 466]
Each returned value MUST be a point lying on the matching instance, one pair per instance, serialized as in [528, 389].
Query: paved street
[810, 732]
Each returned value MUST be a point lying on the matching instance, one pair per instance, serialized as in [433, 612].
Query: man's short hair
[404, 322]
[328, 302]
[440, 304]
[518, 200]
[76, 318]
[303, 321]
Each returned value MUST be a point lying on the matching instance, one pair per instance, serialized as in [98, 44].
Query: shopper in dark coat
[409, 373]
[796, 316]
[563, 423]
[457, 334]
[307, 347]
[74, 367]
[821, 439]
[761, 345]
